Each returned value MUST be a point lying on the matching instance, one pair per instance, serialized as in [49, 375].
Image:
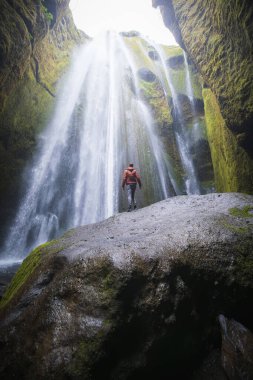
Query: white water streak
[98, 126]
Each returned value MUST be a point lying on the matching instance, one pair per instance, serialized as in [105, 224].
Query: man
[130, 179]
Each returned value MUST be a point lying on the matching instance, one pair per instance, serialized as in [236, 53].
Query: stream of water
[182, 136]
[99, 125]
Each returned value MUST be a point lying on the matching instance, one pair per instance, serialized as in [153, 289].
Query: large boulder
[136, 296]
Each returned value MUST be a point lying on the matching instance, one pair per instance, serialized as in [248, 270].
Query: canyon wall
[36, 41]
[218, 38]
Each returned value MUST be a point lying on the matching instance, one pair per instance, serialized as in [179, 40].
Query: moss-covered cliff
[218, 37]
[36, 40]
[154, 64]
[232, 167]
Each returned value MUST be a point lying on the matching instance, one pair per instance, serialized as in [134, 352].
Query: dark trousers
[130, 194]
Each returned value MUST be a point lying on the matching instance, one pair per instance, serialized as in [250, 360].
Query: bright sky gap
[96, 16]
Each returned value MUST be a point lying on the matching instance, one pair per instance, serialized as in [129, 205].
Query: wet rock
[146, 75]
[142, 305]
[185, 107]
[211, 368]
[153, 55]
[175, 62]
[132, 33]
[7, 272]
[201, 155]
[218, 39]
[237, 349]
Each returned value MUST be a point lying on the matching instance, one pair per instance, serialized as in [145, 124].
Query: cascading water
[182, 137]
[189, 88]
[99, 125]
[197, 132]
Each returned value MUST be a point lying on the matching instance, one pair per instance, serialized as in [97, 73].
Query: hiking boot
[135, 207]
[129, 209]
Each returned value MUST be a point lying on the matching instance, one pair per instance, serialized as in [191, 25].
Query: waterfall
[182, 136]
[188, 82]
[99, 126]
[197, 132]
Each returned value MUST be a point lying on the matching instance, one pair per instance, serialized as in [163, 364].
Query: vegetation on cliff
[45, 35]
[233, 168]
[157, 94]
[218, 38]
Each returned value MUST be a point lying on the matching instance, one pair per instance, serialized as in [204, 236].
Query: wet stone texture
[137, 296]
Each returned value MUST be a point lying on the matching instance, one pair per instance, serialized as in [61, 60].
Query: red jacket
[130, 176]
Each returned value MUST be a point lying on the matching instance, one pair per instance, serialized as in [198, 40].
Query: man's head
[131, 165]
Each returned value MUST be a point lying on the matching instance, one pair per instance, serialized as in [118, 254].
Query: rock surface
[237, 349]
[222, 52]
[36, 41]
[218, 38]
[136, 296]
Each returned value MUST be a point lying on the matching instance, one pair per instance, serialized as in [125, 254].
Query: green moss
[83, 358]
[218, 40]
[33, 106]
[69, 233]
[172, 51]
[27, 268]
[138, 47]
[47, 14]
[88, 352]
[24, 272]
[178, 76]
[233, 168]
[242, 212]
[235, 229]
[28, 109]
[107, 280]
[154, 95]
[196, 82]
[243, 269]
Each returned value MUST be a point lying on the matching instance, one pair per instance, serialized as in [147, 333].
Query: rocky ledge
[138, 296]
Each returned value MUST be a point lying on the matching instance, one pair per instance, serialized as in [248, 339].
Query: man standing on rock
[130, 179]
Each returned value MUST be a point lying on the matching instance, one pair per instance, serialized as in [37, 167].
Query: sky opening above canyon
[96, 16]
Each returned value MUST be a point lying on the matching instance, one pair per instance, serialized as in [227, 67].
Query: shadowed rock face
[25, 24]
[175, 62]
[136, 296]
[237, 349]
[146, 75]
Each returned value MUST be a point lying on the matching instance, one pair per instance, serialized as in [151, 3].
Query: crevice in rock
[26, 20]
[37, 77]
